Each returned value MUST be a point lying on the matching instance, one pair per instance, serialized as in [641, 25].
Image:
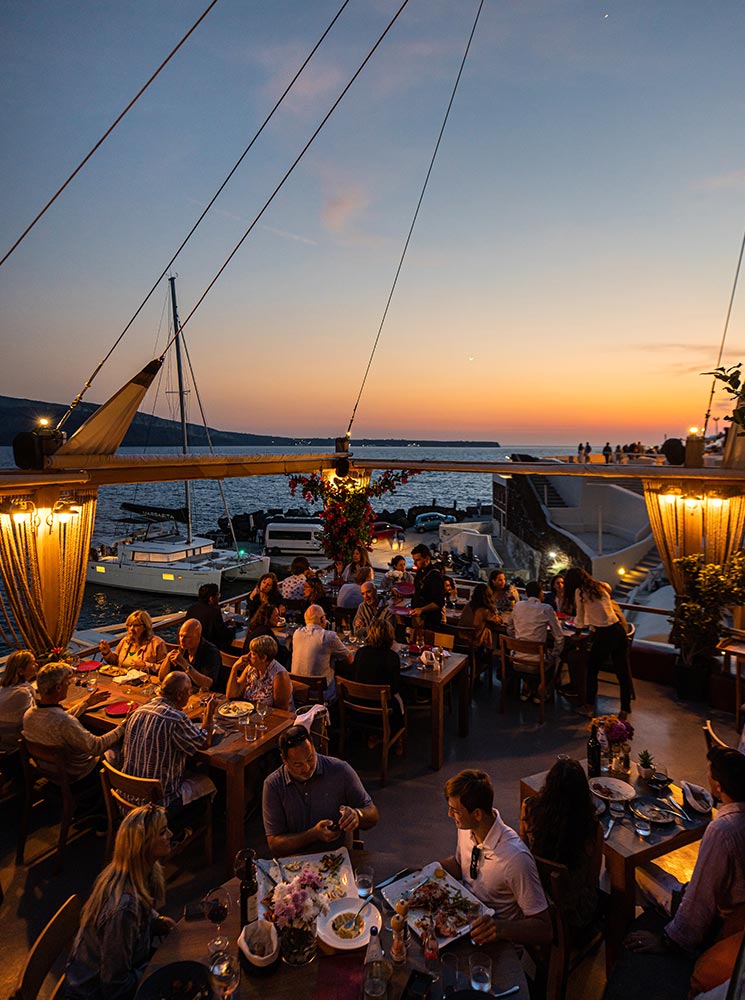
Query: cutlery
[350, 923]
[679, 809]
[265, 871]
[280, 869]
[507, 993]
[394, 878]
[610, 827]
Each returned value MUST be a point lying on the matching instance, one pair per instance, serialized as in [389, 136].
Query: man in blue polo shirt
[313, 803]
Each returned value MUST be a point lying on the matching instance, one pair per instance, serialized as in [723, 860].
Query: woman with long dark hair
[479, 614]
[266, 591]
[560, 824]
[591, 602]
[119, 921]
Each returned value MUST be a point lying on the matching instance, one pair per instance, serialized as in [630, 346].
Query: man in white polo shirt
[497, 867]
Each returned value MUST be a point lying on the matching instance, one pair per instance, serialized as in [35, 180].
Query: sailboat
[159, 557]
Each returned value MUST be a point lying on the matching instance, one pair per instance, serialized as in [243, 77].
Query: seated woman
[360, 560]
[315, 593]
[264, 622]
[119, 921]
[397, 573]
[260, 675]
[140, 649]
[451, 591]
[16, 695]
[559, 824]
[266, 591]
[479, 614]
[377, 663]
[555, 597]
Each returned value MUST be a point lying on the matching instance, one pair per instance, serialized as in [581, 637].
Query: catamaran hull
[184, 580]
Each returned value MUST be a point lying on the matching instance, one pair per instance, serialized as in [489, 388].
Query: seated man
[313, 648]
[196, 657]
[370, 609]
[159, 738]
[350, 594]
[312, 803]
[533, 620]
[208, 613]
[48, 723]
[497, 867]
[428, 601]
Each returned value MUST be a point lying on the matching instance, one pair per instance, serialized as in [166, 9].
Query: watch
[359, 813]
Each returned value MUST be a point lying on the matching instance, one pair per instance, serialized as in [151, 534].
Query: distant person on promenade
[207, 611]
[618, 455]
[607, 453]
[580, 452]
[588, 451]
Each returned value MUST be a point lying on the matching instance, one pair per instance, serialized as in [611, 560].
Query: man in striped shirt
[159, 738]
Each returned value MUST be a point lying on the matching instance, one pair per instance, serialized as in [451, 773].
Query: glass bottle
[431, 950]
[377, 969]
[245, 868]
[593, 754]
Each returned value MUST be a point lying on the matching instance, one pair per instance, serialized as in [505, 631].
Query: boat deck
[414, 823]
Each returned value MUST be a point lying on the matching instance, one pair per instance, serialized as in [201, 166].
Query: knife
[610, 827]
[265, 871]
[394, 878]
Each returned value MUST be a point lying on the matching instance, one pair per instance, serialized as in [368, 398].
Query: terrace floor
[414, 825]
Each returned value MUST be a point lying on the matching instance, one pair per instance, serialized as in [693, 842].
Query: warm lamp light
[621, 571]
[44, 421]
[693, 430]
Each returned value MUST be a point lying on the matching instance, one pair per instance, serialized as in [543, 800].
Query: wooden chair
[565, 956]
[119, 789]
[367, 707]
[711, 738]
[316, 687]
[56, 939]
[520, 655]
[300, 692]
[45, 773]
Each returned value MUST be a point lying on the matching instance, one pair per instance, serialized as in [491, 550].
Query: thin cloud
[342, 209]
[732, 181]
[317, 80]
[296, 237]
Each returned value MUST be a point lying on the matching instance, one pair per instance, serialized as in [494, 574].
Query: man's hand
[484, 929]
[96, 698]
[349, 819]
[323, 831]
[644, 941]
[209, 711]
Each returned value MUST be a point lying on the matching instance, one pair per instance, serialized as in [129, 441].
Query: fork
[350, 923]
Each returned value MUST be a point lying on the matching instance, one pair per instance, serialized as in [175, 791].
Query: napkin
[689, 788]
[307, 717]
[131, 675]
[262, 930]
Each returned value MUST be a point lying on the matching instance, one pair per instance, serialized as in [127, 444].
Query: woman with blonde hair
[259, 675]
[140, 649]
[16, 696]
[120, 920]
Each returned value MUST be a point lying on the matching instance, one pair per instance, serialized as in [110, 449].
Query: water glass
[249, 732]
[642, 826]
[479, 965]
[365, 878]
[91, 682]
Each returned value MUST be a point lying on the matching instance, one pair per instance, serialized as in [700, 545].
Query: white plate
[235, 709]
[340, 883]
[693, 801]
[613, 789]
[370, 917]
[392, 893]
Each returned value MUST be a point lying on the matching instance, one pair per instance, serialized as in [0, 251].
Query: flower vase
[298, 944]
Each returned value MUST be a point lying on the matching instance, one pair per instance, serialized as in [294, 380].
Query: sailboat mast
[181, 399]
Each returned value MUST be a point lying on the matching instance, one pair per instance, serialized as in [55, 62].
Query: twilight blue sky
[570, 271]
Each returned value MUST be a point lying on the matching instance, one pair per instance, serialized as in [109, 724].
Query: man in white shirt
[533, 620]
[313, 648]
[495, 865]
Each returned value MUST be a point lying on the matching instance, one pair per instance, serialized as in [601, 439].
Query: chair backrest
[316, 687]
[49, 760]
[124, 788]
[227, 659]
[554, 878]
[300, 692]
[711, 738]
[56, 938]
[444, 639]
[370, 699]
[522, 650]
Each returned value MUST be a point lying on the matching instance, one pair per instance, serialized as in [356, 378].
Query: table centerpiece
[296, 905]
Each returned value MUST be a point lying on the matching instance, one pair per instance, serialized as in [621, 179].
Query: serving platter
[334, 867]
[452, 905]
[612, 789]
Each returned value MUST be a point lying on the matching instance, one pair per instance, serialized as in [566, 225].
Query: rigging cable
[413, 221]
[724, 334]
[297, 160]
[209, 205]
[107, 133]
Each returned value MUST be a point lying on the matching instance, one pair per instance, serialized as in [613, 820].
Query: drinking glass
[262, 710]
[365, 876]
[643, 827]
[249, 732]
[241, 723]
[242, 863]
[225, 974]
[91, 682]
[617, 809]
[479, 965]
[216, 906]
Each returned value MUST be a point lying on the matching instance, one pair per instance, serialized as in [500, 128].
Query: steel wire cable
[724, 334]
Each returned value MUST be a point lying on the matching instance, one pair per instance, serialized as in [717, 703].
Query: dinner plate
[612, 789]
[434, 873]
[652, 810]
[177, 981]
[693, 802]
[86, 665]
[235, 709]
[117, 710]
[370, 917]
[109, 670]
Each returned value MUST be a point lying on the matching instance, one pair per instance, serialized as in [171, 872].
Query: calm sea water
[104, 605]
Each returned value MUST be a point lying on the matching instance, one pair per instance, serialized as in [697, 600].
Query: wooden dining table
[625, 850]
[229, 753]
[334, 974]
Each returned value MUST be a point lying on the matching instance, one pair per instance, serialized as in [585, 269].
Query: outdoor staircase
[633, 577]
[546, 491]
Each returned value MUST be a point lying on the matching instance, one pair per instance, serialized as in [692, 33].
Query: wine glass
[242, 863]
[216, 906]
[262, 710]
[225, 975]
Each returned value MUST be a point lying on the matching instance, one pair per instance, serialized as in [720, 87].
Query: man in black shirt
[196, 657]
[429, 589]
[208, 613]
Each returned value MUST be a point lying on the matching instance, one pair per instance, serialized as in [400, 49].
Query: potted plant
[645, 767]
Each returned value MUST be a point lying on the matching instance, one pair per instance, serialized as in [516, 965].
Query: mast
[181, 400]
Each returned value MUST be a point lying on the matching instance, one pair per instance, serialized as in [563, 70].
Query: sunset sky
[572, 264]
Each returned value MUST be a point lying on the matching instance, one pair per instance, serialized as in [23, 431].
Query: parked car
[384, 530]
[431, 521]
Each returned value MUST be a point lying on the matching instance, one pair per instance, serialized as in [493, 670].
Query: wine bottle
[249, 890]
[593, 754]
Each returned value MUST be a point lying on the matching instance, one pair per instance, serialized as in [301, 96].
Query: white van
[289, 537]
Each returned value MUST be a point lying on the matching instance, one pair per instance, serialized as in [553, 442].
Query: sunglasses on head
[294, 737]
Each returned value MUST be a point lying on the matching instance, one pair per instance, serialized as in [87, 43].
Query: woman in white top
[593, 606]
